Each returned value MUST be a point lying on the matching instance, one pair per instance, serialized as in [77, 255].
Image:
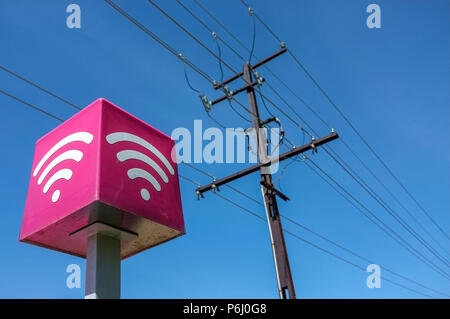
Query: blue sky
[393, 83]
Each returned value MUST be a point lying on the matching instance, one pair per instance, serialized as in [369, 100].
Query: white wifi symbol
[132, 154]
[64, 173]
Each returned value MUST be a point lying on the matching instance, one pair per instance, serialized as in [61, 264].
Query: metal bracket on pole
[273, 191]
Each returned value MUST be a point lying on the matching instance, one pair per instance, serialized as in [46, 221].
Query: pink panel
[80, 190]
[132, 147]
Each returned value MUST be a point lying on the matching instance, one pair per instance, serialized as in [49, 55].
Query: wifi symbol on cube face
[134, 173]
[64, 173]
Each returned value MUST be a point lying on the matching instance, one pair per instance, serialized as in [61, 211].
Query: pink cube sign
[103, 165]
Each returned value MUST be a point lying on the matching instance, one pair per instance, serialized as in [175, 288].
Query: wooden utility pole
[282, 268]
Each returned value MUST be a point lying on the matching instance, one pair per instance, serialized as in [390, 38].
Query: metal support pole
[102, 267]
[282, 268]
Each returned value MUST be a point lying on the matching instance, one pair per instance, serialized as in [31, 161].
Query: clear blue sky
[393, 83]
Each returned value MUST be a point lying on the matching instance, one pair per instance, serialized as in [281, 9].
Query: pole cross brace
[254, 66]
[229, 93]
[103, 246]
[272, 119]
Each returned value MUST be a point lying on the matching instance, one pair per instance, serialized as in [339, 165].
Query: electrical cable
[39, 87]
[372, 217]
[314, 245]
[253, 37]
[225, 64]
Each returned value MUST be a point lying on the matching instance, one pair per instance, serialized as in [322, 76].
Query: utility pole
[283, 272]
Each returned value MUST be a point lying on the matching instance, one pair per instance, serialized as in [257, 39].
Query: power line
[393, 196]
[179, 25]
[239, 114]
[379, 223]
[210, 30]
[57, 118]
[108, 1]
[265, 67]
[248, 50]
[269, 100]
[253, 38]
[388, 230]
[385, 206]
[194, 182]
[396, 216]
[220, 57]
[189, 33]
[31, 105]
[203, 172]
[308, 106]
[39, 87]
[361, 257]
[224, 63]
[291, 108]
[373, 194]
[231, 187]
[170, 49]
[157, 39]
[341, 113]
[391, 212]
[310, 243]
[262, 22]
[399, 219]
[218, 22]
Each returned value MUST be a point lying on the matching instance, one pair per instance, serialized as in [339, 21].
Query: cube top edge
[98, 103]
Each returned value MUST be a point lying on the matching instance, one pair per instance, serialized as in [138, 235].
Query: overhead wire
[390, 211]
[242, 193]
[395, 198]
[409, 229]
[379, 223]
[253, 37]
[388, 230]
[385, 206]
[353, 127]
[210, 30]
[39, 87]
[108, 1]
[224, 63]
[205, 173]
[159, 40]
[31, 105]
[208, 13]
[171, 50]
